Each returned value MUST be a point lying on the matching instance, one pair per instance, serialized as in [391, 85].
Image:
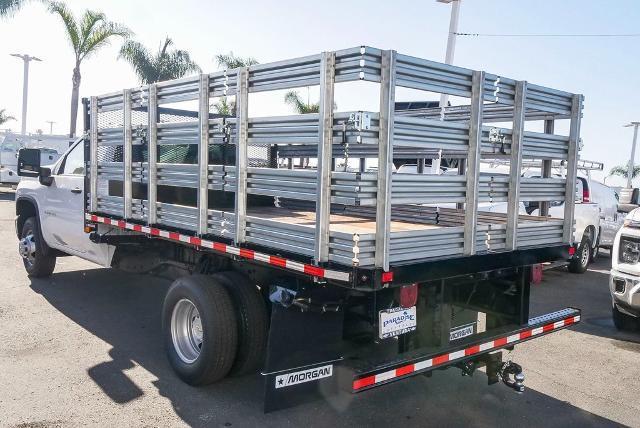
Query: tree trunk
[75, 94]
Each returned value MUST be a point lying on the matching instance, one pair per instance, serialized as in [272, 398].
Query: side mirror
[29, 162]
[45, 177]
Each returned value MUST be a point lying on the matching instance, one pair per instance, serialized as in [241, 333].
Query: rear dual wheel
[214, 326]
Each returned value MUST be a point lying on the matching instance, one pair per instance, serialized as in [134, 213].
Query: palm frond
[225, 107]
[4, 118]
[178, 64]
[167, 42]
[140, 59]
[69, 21]
[293, 98]
[90, 19]
[164, 65]
[229, 61]
[101, 35]
[623, 171]
[10, 7]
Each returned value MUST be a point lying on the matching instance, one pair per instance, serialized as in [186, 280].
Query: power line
[547, 35]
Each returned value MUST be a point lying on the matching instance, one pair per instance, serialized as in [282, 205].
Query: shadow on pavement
[589, 292]
[124, 311]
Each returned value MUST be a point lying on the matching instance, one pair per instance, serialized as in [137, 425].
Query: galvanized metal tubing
[128, 131]
[473, 162]
[242, 134]
[323, 189]
[515, 165]
[385, 158]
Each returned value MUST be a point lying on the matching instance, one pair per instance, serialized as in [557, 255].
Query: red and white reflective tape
[225, 248]
[440, 360]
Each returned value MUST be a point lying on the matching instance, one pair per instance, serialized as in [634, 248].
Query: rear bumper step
[536, 327]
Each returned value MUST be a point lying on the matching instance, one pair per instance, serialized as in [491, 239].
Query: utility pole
[50, 122]
[25, 87]
[633, 152]
[451, 41]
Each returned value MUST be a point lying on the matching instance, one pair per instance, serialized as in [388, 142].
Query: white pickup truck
[596, 221]
[51, 148]
[325, 281]
[624, 281]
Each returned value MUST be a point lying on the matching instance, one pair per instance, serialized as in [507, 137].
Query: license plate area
[396, 321]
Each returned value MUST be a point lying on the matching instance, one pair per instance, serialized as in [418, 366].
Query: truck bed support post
[572, 164]
[546, 166]
[152, 185]
[128, 153]
[242, 114]
[473, 163]
[323, 200]
[515, 165]
[203, 156]
[385, 158]
[93, 152]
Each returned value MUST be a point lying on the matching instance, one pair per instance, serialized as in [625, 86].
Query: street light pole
[451, 40]
[633, 152]
[50, 122]
[25, 87]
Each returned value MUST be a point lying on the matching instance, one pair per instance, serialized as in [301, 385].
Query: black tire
[580, 261]
[252, 321]
[219, 333]
[623, 321]
[39, 265]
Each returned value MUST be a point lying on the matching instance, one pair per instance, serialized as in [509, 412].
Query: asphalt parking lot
[83, 348]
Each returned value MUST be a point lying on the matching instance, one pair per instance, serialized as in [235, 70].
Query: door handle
[76, 190]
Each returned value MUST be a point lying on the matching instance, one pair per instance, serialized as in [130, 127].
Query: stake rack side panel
[329, 186]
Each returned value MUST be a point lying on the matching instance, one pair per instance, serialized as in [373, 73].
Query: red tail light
[585, 195]
[572, 251]
[408, 295]
[387, 277]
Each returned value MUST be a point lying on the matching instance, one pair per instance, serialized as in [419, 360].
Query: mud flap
[303, 357]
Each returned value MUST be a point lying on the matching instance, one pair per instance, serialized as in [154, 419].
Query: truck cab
[50, 213]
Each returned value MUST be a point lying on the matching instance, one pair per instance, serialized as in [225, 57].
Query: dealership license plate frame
[406, 325]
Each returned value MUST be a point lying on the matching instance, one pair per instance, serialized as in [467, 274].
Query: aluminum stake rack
[155, 162]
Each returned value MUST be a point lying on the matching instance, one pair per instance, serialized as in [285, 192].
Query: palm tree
[4, 117]
[164, 65]
[293, 98]
[224, 107]
[9, 7]
[623, 171]
[229, 61]
[87, 36]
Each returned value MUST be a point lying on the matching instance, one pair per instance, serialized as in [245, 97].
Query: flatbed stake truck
[297, 249]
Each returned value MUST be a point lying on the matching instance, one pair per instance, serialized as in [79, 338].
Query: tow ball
[512, 376]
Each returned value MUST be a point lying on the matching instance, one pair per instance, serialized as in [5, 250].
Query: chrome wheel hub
[27, 248]
[186, 331]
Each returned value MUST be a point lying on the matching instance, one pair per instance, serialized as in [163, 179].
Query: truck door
[63, 212]
[611, 222]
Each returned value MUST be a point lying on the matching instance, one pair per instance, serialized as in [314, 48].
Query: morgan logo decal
[303, 376]
[459, 333]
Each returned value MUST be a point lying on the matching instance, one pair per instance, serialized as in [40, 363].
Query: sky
[606, 69]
